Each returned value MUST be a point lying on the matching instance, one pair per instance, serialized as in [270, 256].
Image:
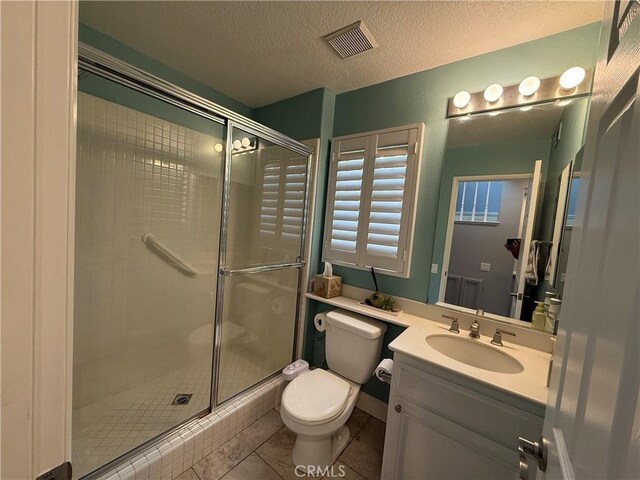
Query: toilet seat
[315, 397]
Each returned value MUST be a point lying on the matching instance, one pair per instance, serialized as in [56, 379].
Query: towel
[547, 270]
[531, 273]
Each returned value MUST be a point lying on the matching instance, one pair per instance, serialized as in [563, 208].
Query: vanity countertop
[530, 384]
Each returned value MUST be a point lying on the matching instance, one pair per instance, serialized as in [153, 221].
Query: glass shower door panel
[258, 325]
[261, 262]
[148, 195]
[266, 203]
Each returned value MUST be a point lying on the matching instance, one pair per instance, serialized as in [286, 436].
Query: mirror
[507, 203]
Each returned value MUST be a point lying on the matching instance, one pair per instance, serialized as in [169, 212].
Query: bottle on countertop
[538, 318]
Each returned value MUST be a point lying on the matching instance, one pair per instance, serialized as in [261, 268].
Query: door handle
[517, 295]
[537, 450]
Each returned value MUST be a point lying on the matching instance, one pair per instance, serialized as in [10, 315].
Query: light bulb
[218, 147]
[529, 86]
[493, 92]
[246, 142]
[572, 78]
[462, 99]
[237, 144]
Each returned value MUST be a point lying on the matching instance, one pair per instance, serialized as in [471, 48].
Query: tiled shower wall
[135, 315]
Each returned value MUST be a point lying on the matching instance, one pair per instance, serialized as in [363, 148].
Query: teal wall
[123, 52]
[504, 158]
[422, 97]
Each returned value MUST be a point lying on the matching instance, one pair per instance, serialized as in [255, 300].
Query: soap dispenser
[538, 318]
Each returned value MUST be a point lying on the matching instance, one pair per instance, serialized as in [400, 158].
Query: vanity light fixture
[462, 99]
[572, 77]
[529, 86]
[573, 83]
[244, 145]
[493, 92]
[218, 147]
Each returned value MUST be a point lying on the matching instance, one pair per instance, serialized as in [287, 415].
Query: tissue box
[327, 287]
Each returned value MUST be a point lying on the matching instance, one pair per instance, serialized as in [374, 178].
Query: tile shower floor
[114, 425]
[263, 452]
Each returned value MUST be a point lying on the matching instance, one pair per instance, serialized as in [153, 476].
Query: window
[371, 201]
[478, 202]
[573, 201]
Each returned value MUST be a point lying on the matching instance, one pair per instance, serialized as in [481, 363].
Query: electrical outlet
[434, 268]
[485, 267]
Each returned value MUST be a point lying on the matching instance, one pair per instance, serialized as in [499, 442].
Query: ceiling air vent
[352, 40]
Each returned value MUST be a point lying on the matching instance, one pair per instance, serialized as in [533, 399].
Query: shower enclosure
[190, 224]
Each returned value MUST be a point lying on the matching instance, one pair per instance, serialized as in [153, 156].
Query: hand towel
[531, 273]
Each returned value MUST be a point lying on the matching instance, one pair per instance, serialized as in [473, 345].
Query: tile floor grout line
[245, 457]
[364, 425]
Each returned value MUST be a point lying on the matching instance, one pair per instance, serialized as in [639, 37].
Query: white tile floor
[109, 428]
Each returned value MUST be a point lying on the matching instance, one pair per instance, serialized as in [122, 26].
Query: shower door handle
[264, 268]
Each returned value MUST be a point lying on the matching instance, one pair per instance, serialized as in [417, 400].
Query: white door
[518, 295]
[592, 421]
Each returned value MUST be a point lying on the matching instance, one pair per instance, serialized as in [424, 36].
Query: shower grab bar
[168, 255]
[265, 268]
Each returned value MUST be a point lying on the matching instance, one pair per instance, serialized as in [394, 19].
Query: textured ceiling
[262, 52]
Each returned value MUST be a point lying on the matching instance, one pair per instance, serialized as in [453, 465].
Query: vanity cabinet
[443, 427]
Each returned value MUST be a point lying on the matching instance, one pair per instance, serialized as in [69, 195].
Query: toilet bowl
[317, 403]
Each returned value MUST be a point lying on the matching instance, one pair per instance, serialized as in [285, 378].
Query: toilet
[317, 403]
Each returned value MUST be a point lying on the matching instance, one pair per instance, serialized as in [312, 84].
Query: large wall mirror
[507, 205]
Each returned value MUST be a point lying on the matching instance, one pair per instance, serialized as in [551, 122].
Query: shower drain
[182, 399]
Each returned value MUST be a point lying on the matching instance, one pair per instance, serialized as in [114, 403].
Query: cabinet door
[422, 445]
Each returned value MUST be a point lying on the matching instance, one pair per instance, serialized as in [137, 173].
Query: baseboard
[371, 405]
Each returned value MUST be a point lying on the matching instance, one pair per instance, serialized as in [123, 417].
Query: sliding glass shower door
[148, 204]
[263, 227]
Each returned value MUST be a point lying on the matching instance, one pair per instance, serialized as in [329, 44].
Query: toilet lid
[315, 397]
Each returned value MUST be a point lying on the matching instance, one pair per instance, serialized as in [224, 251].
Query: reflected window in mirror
[479, 202]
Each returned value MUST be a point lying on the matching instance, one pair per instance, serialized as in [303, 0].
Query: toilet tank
[353, 344]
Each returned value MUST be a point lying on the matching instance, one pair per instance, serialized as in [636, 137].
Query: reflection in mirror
[507, 203]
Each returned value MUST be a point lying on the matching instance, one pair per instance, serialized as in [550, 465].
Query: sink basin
[474, 353]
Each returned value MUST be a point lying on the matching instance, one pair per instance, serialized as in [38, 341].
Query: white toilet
[317, 403]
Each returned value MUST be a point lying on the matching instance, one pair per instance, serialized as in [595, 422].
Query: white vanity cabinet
[441, 426]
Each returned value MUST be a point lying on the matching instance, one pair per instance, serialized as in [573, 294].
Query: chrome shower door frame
[222, 256]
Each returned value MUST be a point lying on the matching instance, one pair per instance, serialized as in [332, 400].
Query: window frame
[360, 259]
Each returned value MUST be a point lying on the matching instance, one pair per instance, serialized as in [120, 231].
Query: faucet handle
[497, 337]
[454, 323]
[454, 326]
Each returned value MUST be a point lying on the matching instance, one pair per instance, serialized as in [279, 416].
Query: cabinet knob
[398, 408]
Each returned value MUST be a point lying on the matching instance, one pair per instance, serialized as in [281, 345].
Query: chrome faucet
[474, 331]
[497, 337]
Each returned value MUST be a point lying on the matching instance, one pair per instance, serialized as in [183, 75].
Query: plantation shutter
[295, 178]
[284, 177]
[390, 199]
[371, 199]
[344, 199]
[270, 193]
